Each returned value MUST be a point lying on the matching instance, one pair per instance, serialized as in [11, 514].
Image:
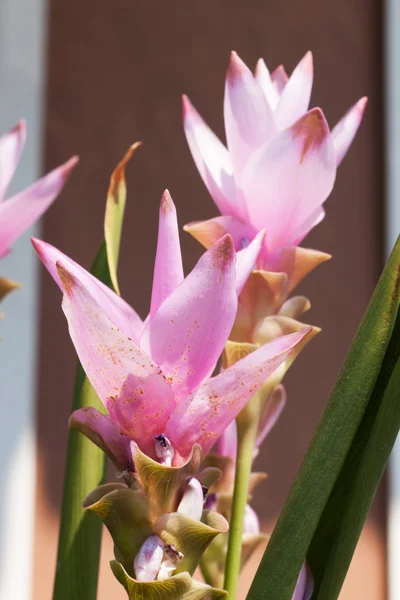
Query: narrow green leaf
[332, 441]
[115, 208]
[80, 531]
[340, 526]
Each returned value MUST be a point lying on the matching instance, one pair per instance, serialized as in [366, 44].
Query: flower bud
[171, 561]
[149, 558]
[251, 522]
[164, 449]
[192, 501]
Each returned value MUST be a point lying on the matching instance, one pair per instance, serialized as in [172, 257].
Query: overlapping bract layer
[154, 376]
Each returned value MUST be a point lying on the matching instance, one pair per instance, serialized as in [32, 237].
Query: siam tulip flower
[18, 213]
[154, 377]
[279, 166]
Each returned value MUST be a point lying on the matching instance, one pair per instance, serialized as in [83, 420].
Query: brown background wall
[116, 71]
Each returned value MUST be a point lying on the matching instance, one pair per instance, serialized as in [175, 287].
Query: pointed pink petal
[209, 232]
[168, 268]
[249, 121]
[11, 146]
[22, 210]
[288, 179]
[263, 79]
[273, 410]
[279, 78]
[246, 260]
[344, 132]
[295, 97]
[211, 158]
[202, 419]
[187, 334]
[130, 385]
[117, 310]
[104, 433]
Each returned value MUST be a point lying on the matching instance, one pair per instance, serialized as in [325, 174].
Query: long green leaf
[329, 448]
[80, 531]
[340, 526]
[115, 209]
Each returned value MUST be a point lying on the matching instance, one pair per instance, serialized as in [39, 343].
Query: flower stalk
[247, 429]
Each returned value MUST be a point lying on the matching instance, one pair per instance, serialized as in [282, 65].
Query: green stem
[247, 433]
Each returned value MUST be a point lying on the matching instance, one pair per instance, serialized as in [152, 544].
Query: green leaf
[80, 532]
[340, 526]
[338, 428]
[115, 208]
[172, 588]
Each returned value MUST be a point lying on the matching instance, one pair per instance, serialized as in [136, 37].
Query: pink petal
[299, 590]
[279, 78]
[288, 179]
[187, 334]
[22, 210]
[217, 402]
[105, 433]
[246, 260]
[263, 79]
[305, 584]
[251, 524]
[226, 444]
[117, 310]
[273, 410]
[296, 95]
[249, 121]
[168, 268]
[209, 232]
[312, 221]
[344, 132]
[211, 158]
[11, 146]
[130, 385]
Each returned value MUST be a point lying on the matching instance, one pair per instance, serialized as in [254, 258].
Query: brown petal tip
[224, 253]
[312, 129]
[237, 68]
[166, 205]
[68, 281]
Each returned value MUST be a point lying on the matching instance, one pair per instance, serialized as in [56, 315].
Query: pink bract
[280, 163]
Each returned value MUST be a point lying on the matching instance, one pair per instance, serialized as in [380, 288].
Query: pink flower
[280, 164]
[18, 213]
[154, 377]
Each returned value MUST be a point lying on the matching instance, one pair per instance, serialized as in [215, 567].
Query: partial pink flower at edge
[23, 209]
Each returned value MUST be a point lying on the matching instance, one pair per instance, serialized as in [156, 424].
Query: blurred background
[93, 77]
